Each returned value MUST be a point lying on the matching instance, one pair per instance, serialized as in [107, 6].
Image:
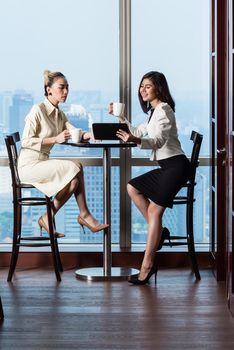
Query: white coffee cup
[76, 135]
[118, 109]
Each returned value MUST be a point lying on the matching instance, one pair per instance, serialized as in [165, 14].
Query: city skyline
[14, 107]
[66, 218]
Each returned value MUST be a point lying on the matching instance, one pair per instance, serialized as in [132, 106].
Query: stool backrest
[197, 140]
[11, 141]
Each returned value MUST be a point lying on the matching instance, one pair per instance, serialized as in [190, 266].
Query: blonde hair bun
[46, 77]
[50, 78]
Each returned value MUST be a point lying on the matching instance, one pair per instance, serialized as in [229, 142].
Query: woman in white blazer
[154, 191]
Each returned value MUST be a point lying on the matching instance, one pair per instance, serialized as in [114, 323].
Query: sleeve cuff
[122, 119]
[144, 144]
[35, 143]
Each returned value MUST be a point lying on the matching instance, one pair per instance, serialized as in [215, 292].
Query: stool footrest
[34, 245]
[35, 238]
[174, 243]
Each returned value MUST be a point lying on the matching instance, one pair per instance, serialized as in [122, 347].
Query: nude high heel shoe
[43, 225]
[96, 228]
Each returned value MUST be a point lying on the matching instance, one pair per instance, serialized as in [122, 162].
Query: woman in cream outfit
[45, 126]
[155, 190]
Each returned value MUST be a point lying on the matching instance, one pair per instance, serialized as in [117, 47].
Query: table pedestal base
[97, 274]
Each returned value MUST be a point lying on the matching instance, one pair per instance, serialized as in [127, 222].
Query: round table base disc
[97, 274]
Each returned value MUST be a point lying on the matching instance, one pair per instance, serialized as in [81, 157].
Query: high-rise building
[21, 105]
[6, 102]
[16, 106]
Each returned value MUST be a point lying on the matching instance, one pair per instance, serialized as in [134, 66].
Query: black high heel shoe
[153, 271]
[165, 235]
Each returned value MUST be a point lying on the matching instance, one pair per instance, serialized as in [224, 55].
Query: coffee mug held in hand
[118, 109]
[76, 135]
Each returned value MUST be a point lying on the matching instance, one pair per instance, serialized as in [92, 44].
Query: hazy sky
[172, 36]
[80, 38]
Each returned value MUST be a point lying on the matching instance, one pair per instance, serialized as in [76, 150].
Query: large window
[81, 39]
[174, 38]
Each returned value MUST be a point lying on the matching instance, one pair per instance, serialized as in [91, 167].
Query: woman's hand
[64, 136]
[111, 111]
[127, 137]
[110, 108]
[88, 136]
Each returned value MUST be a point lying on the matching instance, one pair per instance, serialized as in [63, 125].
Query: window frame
[125, 160]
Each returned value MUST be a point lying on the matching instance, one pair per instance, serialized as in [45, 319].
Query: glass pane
[71, 37]
[6, 213]
[66, 218]
[175, 40]
[174, 219]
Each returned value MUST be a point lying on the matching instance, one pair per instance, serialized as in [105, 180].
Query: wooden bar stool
[18, 202]
[188, 200]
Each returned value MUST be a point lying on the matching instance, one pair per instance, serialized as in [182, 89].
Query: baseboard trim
[91, 259]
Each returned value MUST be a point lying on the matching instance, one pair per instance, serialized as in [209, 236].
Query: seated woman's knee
[74, 184]
[81, 168]
[155, 209]
[131, 190]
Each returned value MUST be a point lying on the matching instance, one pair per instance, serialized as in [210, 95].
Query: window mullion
[125, 96]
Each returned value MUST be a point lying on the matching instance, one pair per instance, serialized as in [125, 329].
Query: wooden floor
[176, 314]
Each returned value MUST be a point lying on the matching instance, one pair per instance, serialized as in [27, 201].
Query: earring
[50, 93]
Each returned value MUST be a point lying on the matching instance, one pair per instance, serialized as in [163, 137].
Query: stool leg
[190, 237]
[57, 250]
[52, 240]
[58, 255]
[16, 241]
[1, 310]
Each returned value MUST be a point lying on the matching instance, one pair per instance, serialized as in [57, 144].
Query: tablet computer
[107, 131]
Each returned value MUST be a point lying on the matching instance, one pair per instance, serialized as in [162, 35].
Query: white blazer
[161, 131]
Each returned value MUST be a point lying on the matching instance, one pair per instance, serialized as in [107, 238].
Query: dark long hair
[161, 89]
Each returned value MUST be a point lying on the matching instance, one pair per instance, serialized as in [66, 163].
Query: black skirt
[162, 184]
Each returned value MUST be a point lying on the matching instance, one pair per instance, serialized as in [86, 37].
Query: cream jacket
[44, 120]
[34, 165]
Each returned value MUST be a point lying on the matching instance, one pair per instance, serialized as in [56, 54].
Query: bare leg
[140, 201]
[155, 213]
[76, 187]
[80, 196]
[62, 197]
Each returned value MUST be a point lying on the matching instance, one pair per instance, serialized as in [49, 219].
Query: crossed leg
[75, 186]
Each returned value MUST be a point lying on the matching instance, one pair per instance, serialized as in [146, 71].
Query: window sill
[63, 247]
